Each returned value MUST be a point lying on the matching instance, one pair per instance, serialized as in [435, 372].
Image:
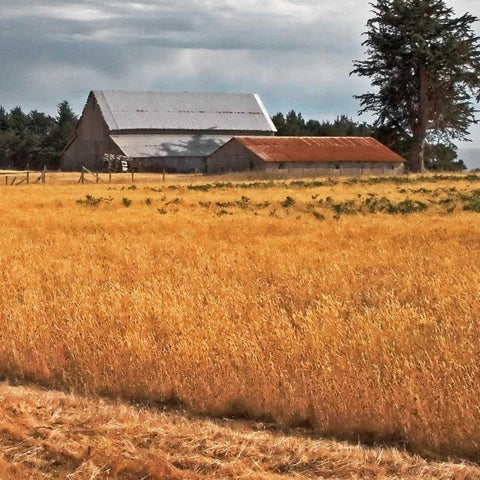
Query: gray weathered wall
[336, 168]
[173, 164]
[91, 142]
[232, 157]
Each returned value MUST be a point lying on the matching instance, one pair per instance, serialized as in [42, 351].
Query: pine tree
[424, 64]
[65, 122]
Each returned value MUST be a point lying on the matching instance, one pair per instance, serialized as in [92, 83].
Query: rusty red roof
[319, 149]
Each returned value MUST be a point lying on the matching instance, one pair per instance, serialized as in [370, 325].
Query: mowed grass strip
[52, 435]
[363, 326]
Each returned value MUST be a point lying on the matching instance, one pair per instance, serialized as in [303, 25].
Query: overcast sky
[295, 54]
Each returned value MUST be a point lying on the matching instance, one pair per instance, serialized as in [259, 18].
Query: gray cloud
[295, 54]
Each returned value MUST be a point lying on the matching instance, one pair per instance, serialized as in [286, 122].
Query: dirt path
[53, 435]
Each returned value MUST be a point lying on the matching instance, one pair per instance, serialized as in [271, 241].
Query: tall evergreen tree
[424, 64]
[66, 118]
[3, 119]
[65, 122]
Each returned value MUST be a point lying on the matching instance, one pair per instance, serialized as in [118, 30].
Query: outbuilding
[171, 131]
[322, 155]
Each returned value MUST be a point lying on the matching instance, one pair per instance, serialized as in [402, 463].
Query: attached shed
[325, 155]
[172, 131]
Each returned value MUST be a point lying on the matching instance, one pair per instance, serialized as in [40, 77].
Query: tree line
[438, 156]
[34, 140]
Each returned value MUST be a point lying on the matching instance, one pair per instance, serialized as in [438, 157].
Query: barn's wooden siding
[173, 164]
[91, 141]
[233, 157]
[336, 168]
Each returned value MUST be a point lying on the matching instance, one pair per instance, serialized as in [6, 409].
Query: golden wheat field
[348, 306]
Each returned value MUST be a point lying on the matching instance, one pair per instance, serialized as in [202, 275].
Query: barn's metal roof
[319, 149]
[141, 146]
[130, 110]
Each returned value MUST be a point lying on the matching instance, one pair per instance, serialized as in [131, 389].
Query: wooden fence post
[44, 173]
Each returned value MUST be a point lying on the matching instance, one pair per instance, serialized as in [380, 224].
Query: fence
[18, 177]
[24, 177]
[87, 175]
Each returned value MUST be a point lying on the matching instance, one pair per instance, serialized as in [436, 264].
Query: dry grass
[51, 435]
[235, 301]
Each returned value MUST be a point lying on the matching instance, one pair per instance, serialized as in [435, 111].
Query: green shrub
[375, 204]
[344, 208]
[472, 202]
[407, 206]
[202, 188]
[288, 202]
[90, 201]
[318, 216]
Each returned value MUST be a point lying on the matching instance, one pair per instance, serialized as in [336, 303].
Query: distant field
[349, 306]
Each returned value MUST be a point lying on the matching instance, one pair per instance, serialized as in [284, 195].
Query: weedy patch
[375, 204]
[243, 202]
[404, 207]
[225, 204]
[407, 206]
[318, 216]
[345, 208]
[92, 201]
[126, 202]
[261, 205]
[472, 202]
[222, 212]
[288, 202]
[204, 187]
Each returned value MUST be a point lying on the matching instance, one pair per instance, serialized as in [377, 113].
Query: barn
[171, 131]
[322, 155]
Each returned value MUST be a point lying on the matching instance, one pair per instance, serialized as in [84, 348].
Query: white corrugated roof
[130, 110]
[142, 146]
